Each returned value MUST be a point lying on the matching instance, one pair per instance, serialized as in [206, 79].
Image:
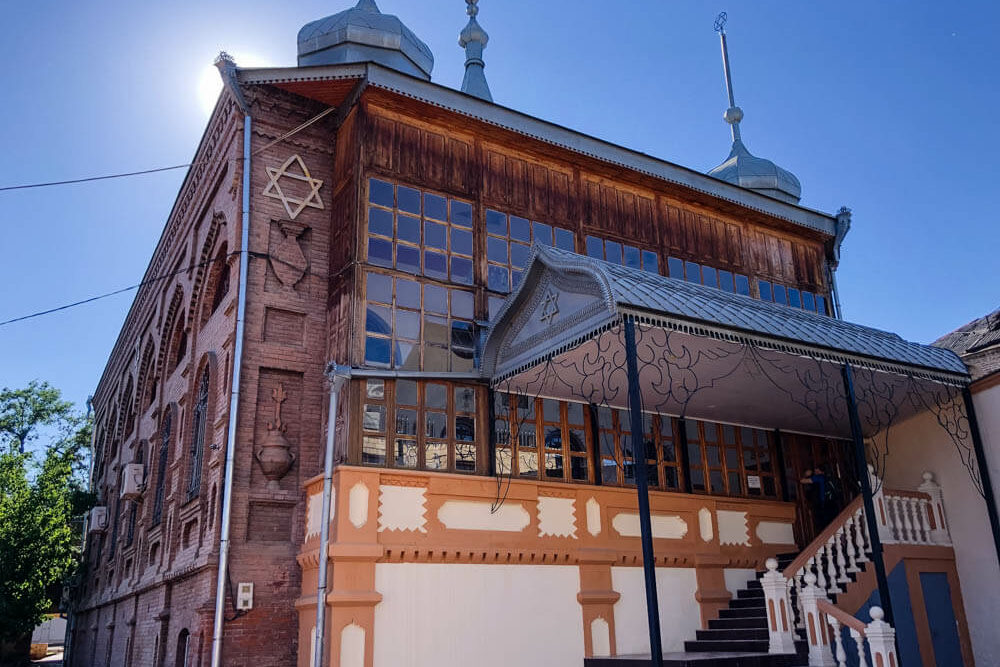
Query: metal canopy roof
[698, 309]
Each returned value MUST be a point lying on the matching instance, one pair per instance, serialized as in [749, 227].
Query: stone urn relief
[274, 454]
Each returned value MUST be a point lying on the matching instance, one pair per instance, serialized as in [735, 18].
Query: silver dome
[746, 170]
[363, 34]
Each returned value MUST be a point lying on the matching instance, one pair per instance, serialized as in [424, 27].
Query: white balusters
[881, 639]
[861, 535]
[859, 640]
[838, 541]
[906, 509]
[939, 529]
[817, 633]
[853, 530]
[831, 568]
[925, 525]
[881, 507]
[839, 654]
[778, 607]
[820, 576]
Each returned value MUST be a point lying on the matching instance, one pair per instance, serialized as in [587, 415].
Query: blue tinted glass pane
[742, 285]
[692, 272]
[496, 223]
[380, 252]
[764, 288]
[793, 298]
[461, 241]
[408, 258]
[461, 270]
[380, 192]
[519, 255]
[435, 235]
[409, 199]
[726, 280]
[378, 319]
[377, 351]
[779, 294]
[379, 287]
[435, 265]
[408, 324]
[407, 294]
[564, 240]
[632, 257]
[496, 249]
[808, 301]
[435, 299]
[494, 305]
[708, 276]
[675, 267]
[542, 233]
[613, 252]
[821, 304]
[462, 304]
[498, 279]
[650, 261]
[515, 277]
[408, 229]
[520, 229]
[595, 247]
[435, 207]
[380, 222]
[461, 213]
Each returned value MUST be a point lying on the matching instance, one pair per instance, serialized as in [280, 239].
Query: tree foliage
[41, 492]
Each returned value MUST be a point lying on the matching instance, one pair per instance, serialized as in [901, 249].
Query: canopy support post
[861, 466]
[642, 486]
[984, 470]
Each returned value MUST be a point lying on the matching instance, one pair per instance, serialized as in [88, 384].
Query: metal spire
[733, 114]
[473, 39]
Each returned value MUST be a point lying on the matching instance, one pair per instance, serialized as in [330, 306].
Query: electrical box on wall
[244, 596]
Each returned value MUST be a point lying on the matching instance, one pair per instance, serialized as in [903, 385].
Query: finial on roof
[474, 39]
[367, 5]
[741, 167]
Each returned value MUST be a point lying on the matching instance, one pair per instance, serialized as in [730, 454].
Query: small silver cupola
[742, 167]
[363, 34]
[473, 39]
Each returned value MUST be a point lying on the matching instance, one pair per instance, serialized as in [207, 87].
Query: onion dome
[364, 34]
[474, 39]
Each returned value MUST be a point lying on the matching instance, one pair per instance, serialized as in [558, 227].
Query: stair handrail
[814, 547]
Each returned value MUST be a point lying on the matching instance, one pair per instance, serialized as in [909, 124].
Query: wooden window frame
[620, 429]
[511, 453]
[510, 242]
[699, 442]
[623, 247]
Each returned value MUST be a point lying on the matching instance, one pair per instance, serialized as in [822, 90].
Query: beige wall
[919, 444]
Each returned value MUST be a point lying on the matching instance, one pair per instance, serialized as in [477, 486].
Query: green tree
[41, 493]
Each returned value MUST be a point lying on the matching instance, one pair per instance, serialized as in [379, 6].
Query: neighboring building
[483, 504]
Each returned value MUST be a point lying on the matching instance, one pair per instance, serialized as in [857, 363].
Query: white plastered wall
[679, 611]
[737, 578]
[919, 444]
[453, 615]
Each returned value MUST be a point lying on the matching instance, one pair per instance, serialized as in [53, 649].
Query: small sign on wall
[753, 481]
[244, 599]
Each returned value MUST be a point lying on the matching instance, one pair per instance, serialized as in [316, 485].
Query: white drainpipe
[338, 376]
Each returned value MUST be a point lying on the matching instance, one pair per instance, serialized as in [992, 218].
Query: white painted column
[882, 517]
[779, 610]
[939, 534]
[817, 632]
[881, 640]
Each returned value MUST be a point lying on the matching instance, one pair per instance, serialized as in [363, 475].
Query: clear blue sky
[888, 108]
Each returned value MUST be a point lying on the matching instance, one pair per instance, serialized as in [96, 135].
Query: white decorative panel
[556, 517]
[775, 532]
[357, 510]
[679, 617]
[314, 515]
[457, 615]
[352, 646]
[733, 527]
[476, 515]
[402, 508]
[705, 523]
[665, 527]
[600, 638]
[593, 517]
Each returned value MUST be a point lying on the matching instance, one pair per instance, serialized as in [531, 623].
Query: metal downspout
[227, 69]
[338, 375]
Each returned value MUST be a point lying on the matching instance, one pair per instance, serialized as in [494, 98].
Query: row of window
[431, 425]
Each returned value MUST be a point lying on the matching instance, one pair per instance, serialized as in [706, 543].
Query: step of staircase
[718, 659]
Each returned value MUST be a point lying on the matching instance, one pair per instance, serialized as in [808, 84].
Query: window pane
[604, 417]
[550, 410]
[520, 229]
[502, 462]
[574, 413]
[820, 304]
[553, 437]
[461, 270]
[436, 330]
[794, 298]
[378, 319]
[461, 213]
[408, 356]
[670, 477]
[769, 487]
[613, 252]
[632, 257]
[542, 233]
[465, 457]
[373, 451]
[380, 192]
[808, 301]
[519, 255]
[692, 272]
[668, 452]
[374, 417]
[709, 277]
[436, 299]
[691, 429]
[779, 295]
[435, 265]
[407, 293]
[712, 455]
[377, 351]
[735, 488]
[435, 425]
[498, 278]
[462, 304]
[595, 247]
[435, 207]
[465, 399]
[527, 463]
[465, 429]
[435, 235]
[554, 465]
[742, 285]
[407, 324]
[578, 468]
[650, 262]
[716, 480]
[697, 479]
[732, 458]
[408, 229]
[375, 388]
[564, 240]
[406, 392]
[764, 288]
[406, 421]
[675, 267]
[494, 306]
[525, 436]
[436, 456]
[496, 223]
[379, 287]
[380, 222]
[461, 241]
[436, 396]
[407, 258]
[577, 440]
[694, 454]
[405, 453]
[380, 252]
[409, 200]
[496, 250]
[726, 280]
[463, 336]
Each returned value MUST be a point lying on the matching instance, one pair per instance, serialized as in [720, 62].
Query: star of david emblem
[293, 205]
[550, 307]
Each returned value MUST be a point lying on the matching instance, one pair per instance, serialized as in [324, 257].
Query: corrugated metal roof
[637, 290]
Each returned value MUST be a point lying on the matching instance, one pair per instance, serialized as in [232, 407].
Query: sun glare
[210, 84]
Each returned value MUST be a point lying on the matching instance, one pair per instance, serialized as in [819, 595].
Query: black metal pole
[984, 471]
[861, 465]
[682, 452]
[779, 451]
[642, 485]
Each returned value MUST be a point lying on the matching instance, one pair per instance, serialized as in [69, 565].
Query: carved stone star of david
[550, 307]
[293, 205]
